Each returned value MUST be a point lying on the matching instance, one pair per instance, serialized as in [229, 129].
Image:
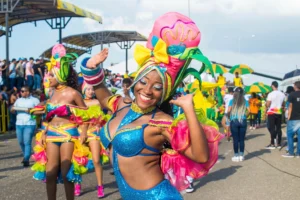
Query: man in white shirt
[25, 125]
[275, 104]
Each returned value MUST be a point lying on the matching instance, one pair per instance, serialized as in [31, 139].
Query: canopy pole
[60, 25]
[60, 35]
[126, 60]
[7, 39]
[101, 50]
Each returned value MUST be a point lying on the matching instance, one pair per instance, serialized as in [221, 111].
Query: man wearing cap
[12, 74]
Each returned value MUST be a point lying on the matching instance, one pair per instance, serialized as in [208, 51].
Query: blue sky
[261, 33]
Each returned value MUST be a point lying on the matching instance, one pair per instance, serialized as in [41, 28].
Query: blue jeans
[238, 131]
[37, 82]
[29, 81]
[20, 82]
[293, 126]
[25, 135]
[12, 83]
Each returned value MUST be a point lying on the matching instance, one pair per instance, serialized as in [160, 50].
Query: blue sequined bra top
[127, 142]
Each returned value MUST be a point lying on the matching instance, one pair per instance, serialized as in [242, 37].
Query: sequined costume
[65, 133]
[128, 143]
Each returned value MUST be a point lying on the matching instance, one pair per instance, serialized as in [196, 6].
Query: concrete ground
[264, 175]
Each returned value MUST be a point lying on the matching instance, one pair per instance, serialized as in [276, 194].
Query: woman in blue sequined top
[137, 130]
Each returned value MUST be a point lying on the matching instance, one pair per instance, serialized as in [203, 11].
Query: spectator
[293, 124]
[259, 111]
[125, 91]
[289, 90]
[275, 103]
[25, 124]
[118, 81]
[221, 80]
[38, 75]
[238, 108]
[29, 73]
[12, 116]
[254, 107]
[4, 93]
[226, 121]
[12, 74]
[3, 67]
[20, 74]
[238, 81]
[43, 67]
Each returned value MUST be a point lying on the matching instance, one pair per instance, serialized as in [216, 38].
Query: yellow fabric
[92, 112]
[238, 82]
[142, 54]
[62, 5]
[221, 80]
[210, 101]
[111, 103]
[58, 72]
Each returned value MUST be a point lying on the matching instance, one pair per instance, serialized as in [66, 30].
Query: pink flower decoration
[58, 51]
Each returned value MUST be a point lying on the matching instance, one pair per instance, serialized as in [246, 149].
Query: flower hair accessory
[171, 46]
[60, 63]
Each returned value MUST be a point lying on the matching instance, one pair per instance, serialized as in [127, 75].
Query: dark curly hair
[72, 80]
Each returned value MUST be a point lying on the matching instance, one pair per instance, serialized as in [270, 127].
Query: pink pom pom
[175, 28]
[58, 51]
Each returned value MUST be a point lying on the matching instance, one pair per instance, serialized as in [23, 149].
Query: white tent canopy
[121, 67]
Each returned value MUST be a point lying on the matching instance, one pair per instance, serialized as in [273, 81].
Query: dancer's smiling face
[89, 92]
[52, 80]
[148, 90]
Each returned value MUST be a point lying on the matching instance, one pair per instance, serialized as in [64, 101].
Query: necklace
[60, 87]
[134, 107]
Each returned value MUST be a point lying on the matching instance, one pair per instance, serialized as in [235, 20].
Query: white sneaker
[241, 158]
[235, 159]
[190, 189]
[250, 128]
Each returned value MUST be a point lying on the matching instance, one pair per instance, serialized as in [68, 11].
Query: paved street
[263, 175]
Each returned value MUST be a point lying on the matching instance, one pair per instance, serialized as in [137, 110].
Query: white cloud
[143, 16]
[260, 7]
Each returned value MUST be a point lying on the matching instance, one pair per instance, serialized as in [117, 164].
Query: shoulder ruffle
[176, 166]
[92, 114]
[112, 103]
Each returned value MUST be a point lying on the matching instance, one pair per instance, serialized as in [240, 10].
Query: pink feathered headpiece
[171, 46]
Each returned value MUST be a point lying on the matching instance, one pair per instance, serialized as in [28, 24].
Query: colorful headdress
[46, 83]
[84, 87]
[171, 46]
[60, 63]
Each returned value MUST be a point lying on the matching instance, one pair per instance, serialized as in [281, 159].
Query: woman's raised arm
[96, 77]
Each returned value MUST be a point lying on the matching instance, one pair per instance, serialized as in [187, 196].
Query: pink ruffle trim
[177, 167]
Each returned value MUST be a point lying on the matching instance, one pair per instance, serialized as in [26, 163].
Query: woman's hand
[97, 59]
[184, 101]
[83, 137]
